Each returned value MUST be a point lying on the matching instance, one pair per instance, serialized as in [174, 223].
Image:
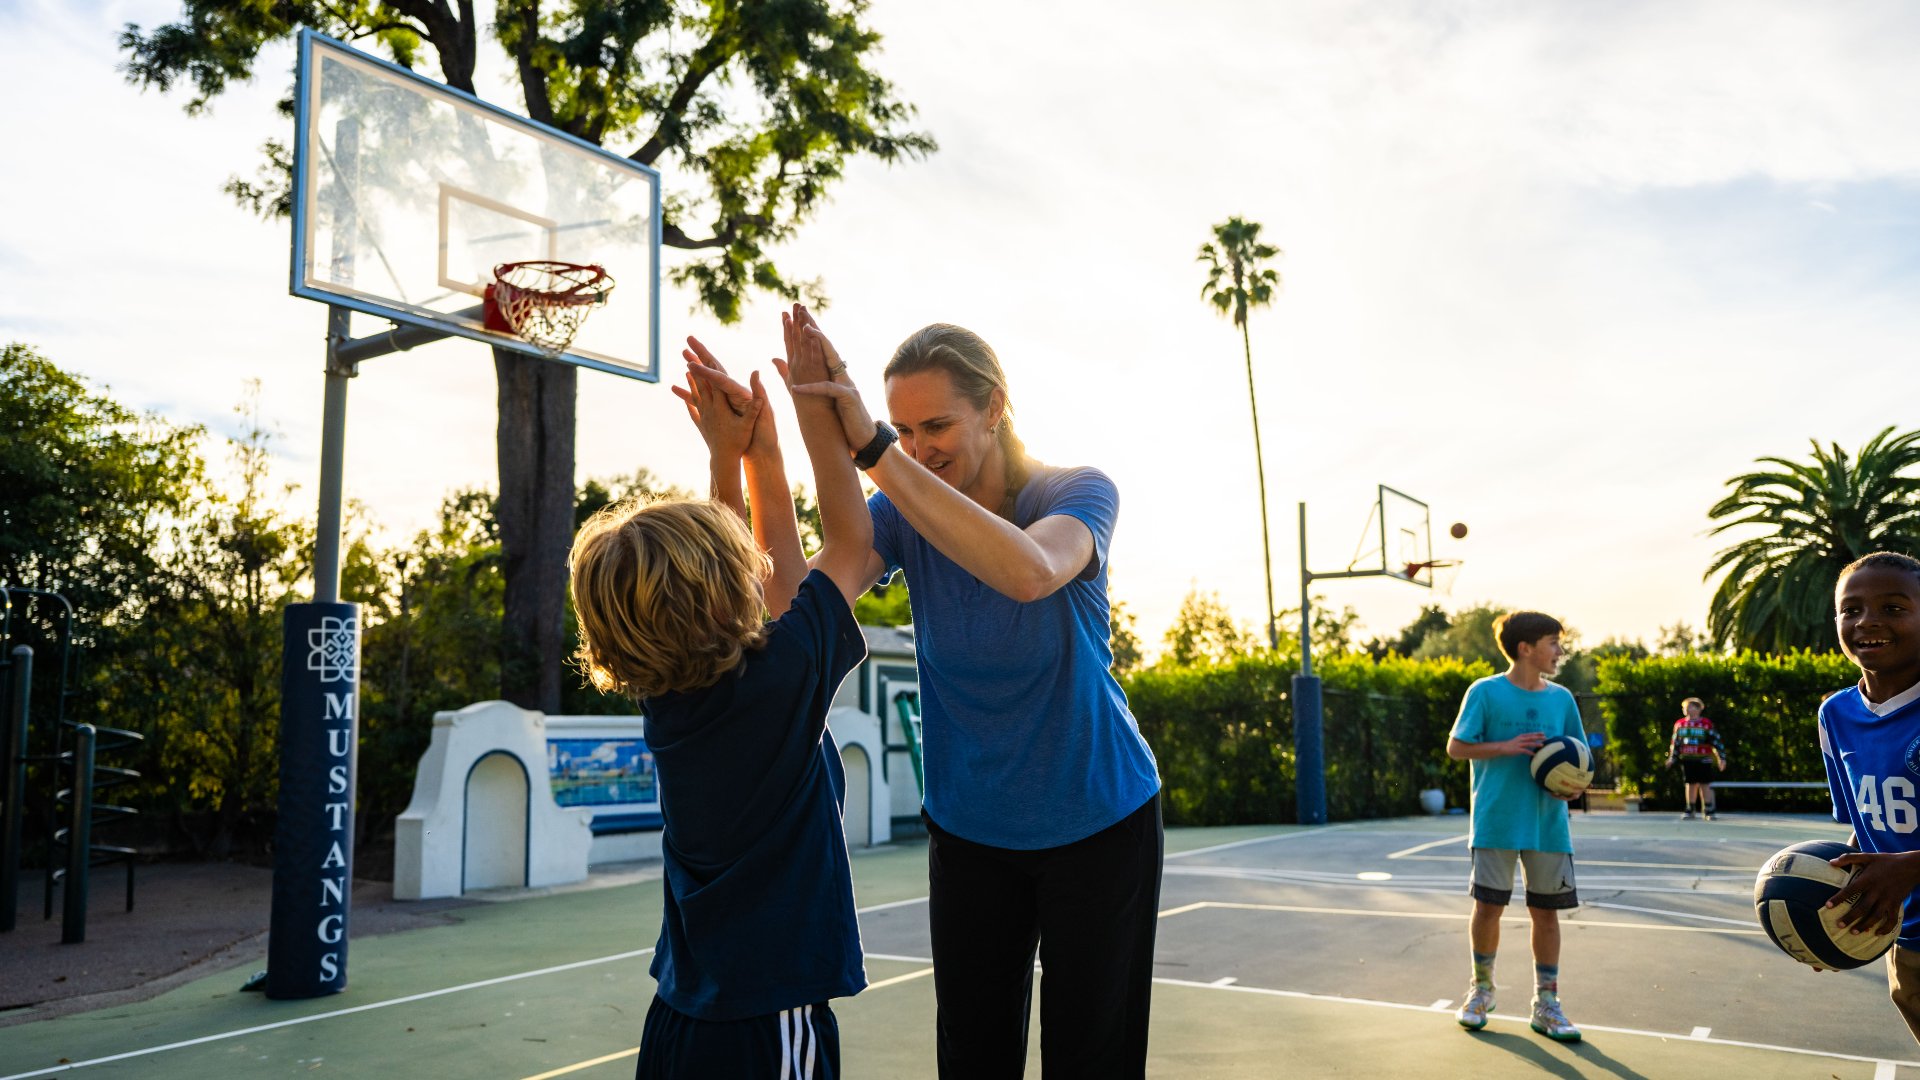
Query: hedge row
[1224, 736]
[1763, 705]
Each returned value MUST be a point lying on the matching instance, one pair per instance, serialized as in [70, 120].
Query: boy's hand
[1669, 761]
[1878, 891]
[751, 428]
[1524, 744]
[813, 369]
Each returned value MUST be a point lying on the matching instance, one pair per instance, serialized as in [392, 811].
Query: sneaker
[1548, 1020]
[1473, 1012]
[1688, 816]
[1709, 815]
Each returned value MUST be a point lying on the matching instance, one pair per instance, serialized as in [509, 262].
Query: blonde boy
[758, 930]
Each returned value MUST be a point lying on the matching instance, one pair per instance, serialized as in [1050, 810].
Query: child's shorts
[1696, 770]
[798, 1044]
[1903, 985]
[1549, 877]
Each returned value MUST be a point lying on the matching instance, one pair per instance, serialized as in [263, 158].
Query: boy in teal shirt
[1503, 720]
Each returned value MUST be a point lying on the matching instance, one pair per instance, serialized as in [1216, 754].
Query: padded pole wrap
[313, 839]
[1309, 762]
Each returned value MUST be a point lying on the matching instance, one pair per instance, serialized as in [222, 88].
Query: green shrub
[1223, 735]
[1763, 705]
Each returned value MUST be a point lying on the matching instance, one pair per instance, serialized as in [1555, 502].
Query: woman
[1042, 800]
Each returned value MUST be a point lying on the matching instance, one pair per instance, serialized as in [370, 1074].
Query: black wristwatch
[869, 455]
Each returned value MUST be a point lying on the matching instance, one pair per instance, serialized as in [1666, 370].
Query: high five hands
[729, 414]
[734, 420]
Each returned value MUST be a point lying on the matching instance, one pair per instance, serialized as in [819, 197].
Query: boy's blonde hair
[668, 594]
[1693, 701]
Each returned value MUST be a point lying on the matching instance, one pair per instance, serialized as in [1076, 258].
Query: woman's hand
[813, 369]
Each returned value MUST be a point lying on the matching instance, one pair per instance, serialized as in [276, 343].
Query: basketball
[1563, 765]
[1789, 898]
[1458, 531]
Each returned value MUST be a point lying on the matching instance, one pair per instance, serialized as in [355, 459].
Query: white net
[547, 303]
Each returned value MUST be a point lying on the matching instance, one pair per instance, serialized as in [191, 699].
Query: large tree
[1814, 517]
[751, 108]
[1236, 284]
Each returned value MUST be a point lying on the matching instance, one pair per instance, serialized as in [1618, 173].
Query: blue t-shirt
[759, 894]
[1510, 811]
[1873, 776]
[1028, 740]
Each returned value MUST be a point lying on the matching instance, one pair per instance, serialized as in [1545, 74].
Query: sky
[1558, 269]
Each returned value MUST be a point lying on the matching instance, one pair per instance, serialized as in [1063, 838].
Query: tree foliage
[87, 489]
[1813, 518]
[1205, 634]
[1469, 636]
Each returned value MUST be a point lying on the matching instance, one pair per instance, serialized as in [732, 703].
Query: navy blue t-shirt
[1029, 741]
[759, 894]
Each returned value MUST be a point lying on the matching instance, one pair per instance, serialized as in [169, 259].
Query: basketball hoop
[544, 302]
[1411, 572]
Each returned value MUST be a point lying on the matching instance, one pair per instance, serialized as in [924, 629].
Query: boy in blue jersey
[1503, 720]
[1870, 741]
[758, 930]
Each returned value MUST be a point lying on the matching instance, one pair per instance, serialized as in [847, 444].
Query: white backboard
[407, 193]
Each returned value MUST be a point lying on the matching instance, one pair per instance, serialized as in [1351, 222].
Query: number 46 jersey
[1872, 754]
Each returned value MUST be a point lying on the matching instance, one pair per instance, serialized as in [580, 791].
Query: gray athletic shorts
[1549, 877]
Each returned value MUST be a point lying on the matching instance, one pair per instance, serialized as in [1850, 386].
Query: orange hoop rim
[587, 283]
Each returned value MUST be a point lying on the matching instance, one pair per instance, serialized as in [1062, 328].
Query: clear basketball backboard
[408, 193]
[1398, 541]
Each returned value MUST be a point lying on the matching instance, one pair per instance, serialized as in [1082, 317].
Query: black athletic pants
[1091, 907]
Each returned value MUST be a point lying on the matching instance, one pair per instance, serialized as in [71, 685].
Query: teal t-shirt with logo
[1510, 811]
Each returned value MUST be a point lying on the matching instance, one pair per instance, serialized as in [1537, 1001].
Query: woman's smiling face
[941, 429]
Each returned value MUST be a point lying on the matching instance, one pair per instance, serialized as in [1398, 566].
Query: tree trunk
[535, 444]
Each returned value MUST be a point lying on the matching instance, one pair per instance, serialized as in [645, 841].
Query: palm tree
[1819, 516]
[1236, 284]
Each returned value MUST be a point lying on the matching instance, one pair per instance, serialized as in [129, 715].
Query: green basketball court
[1282, 951]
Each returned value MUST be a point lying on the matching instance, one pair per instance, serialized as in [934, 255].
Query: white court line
[1578, 861]
[634, 1051]
[862, 911]
[1449, 916]
[901, 959]
[1227, 980]
[1663, 911]
[70, 1066]
[1305, 831]
[1883, 1070]
[1439, 886]
[1304, 996]
[1404, 852]
[1700, 1033]
[631, 1051]
[1441, 1005]
[921, 974]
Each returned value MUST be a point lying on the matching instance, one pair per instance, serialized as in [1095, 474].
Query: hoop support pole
[351, 351]
[333, 439]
